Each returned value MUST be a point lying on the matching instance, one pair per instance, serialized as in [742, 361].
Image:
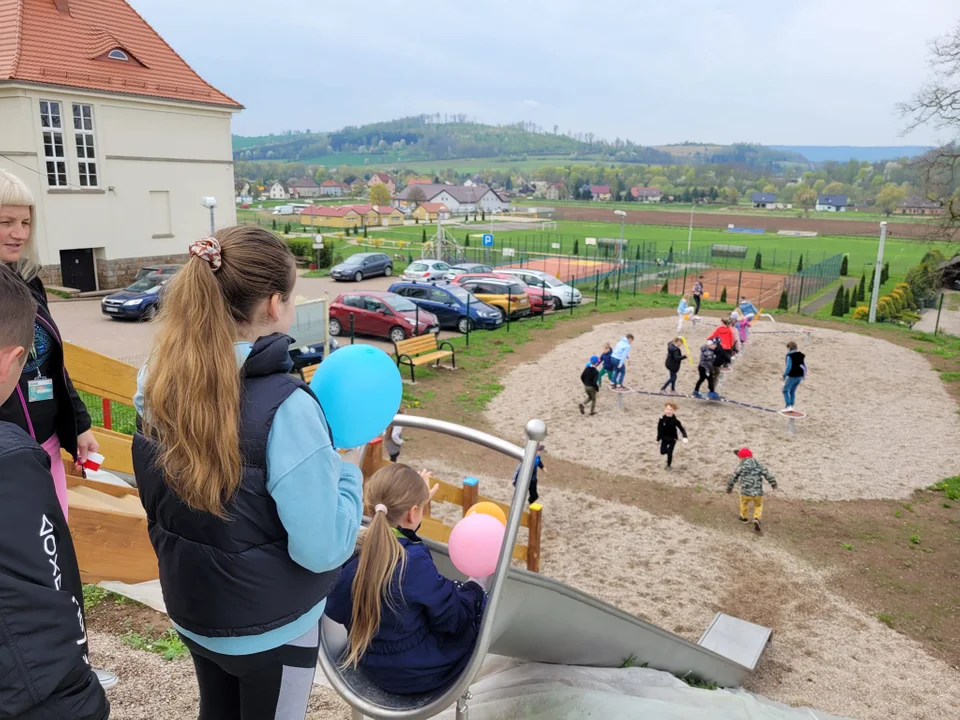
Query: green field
[779, 254]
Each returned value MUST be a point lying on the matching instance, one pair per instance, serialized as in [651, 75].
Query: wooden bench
[423, 350]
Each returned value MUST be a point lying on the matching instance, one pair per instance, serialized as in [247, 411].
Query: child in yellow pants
[751, 475]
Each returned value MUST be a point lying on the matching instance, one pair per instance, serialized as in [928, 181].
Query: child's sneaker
[713, 396]
[743, 519]
[756, 524]
[697, 395]
[581, 409]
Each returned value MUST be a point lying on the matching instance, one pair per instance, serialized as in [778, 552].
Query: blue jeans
[618, 374]
[790, 385]
[672, 382]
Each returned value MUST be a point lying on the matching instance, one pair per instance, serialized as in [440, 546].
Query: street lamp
[877, 270]
[623, 218]
[210, 203]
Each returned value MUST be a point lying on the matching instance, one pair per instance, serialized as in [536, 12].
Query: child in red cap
[751, 475]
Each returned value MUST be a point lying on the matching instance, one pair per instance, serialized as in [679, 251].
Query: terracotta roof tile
[39, 44]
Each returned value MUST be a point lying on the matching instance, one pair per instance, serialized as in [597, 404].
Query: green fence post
[572, 281]
[509, 298]
[469, 320]
[543, 299]
[800, 296]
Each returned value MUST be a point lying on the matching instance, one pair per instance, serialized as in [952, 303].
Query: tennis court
[567, 268]
[762, 289]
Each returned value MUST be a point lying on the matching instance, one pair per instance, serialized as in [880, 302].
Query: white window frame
[55, 165]
[118, 54]
[88, 167]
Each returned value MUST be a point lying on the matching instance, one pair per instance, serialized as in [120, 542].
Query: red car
[381, 314]
[536, 295]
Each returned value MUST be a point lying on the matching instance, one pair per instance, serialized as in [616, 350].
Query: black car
[363, 265]
[140, 301]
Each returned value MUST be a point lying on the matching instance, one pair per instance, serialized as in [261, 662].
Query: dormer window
[118, 55]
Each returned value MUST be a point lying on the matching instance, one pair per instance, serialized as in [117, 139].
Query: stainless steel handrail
[536, 431]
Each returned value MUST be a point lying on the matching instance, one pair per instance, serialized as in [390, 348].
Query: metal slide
[528, 617]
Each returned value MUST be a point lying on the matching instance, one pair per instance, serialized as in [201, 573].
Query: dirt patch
[825, 652]
[854, 443]
[770, 223]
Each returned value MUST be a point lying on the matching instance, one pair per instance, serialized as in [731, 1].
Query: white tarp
[534, 691]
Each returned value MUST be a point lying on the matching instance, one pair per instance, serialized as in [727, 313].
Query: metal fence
[812, 280]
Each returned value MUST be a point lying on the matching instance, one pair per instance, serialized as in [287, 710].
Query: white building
[459, 199]
[832, 203]
[278, 192]
[117, 137]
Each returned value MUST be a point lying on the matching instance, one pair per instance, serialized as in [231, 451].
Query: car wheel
[358, 276]
[397, 334]
[464, 325]
[503, 313]
[389, 271]
[149, 314]
[335, 327]
[557, 304]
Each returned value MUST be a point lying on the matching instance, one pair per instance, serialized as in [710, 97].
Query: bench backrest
[417, 345]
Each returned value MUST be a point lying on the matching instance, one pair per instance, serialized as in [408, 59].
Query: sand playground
[877, 415]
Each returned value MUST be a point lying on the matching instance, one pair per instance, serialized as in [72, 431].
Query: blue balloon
[359, 389]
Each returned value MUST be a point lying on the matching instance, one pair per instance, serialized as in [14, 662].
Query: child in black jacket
[44, 670]
[675, 358]
[667, 430]
[590, 377]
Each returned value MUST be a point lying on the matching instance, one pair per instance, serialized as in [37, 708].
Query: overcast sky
[811, 72]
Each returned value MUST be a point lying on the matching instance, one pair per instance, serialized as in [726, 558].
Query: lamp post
[876, 279]
[211, 204]
[623, 218]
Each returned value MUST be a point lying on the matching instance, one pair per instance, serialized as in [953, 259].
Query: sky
[809, 72]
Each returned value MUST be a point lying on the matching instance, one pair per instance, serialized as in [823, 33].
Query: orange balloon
[706, 296]
[488, 508]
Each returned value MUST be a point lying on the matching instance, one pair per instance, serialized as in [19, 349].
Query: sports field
[762, 289]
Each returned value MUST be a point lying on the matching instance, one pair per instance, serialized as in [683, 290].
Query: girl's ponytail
[388, 495]
[192, 393]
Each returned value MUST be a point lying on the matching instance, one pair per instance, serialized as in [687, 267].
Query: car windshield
[400, 304]
[418, 267]
[146, 284]
[458, 292]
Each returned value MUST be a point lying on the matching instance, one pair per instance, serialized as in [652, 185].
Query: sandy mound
[824, 653]
[878, 416]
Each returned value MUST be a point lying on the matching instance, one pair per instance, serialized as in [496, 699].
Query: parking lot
[82, 322]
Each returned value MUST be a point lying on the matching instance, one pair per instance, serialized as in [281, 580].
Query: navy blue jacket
[427, 642]
[608, 362]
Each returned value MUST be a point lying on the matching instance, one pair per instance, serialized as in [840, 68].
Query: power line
[41, 174]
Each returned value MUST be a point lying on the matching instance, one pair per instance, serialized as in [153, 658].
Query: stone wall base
[116, 273]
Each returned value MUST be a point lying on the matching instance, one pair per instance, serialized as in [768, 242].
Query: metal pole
[543, 298]
[800, 296]
[213, 227]
[509, 298]
[351, 328]
[469, 321]
[416, 319]
[879, 268]
[572, 281]
[939, 308]
[618, 281]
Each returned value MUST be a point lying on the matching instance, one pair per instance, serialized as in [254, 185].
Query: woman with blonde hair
[45, 403]
[251, 509]
[411, 629]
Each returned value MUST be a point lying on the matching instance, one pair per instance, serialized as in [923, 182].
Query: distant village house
[646, 194]
[301, 188]
[919, 206]
[764, 201]
[832, 203]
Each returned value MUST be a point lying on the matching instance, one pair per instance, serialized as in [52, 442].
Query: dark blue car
[140, 301]
[450, 304]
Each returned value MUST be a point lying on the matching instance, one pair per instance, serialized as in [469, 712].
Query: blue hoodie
[427, 641]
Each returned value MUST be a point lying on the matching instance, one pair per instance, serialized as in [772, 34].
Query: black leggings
[270, 685]
[666, 448]
[696, 302]
[704, 375]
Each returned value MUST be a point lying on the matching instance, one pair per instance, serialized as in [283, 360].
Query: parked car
[381, 314]
[426, 270]
[509, 297]
[156, 270]
[304, 357]
[539, 298]
[363, 265]
[139, 301]
[564, 295]
[453, 306]
[467, 267]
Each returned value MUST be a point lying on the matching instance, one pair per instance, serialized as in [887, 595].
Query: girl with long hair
[251, 510]
[410, 629]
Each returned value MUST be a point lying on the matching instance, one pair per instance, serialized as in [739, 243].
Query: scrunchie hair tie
[208, 250]
[381, 508]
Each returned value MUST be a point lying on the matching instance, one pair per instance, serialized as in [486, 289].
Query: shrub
[800, 265]
[606, 282]
[758, 261]
[723, 295]
[273, 224]
[576, 246]
[843, 265]
[899, 300]
[286, 229]
[365, 231]
[862, 292]
[300, 247]
[784, 301]
[846, 301]
[884, 273]
[423, 236]
[837, 310]
[665, 290]
[861, 313]
[884, 309]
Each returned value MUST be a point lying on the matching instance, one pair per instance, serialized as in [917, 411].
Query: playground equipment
[442, 246]
[535, 619]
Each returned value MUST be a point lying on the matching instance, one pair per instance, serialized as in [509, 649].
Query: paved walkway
[827, 297]
[949, 317]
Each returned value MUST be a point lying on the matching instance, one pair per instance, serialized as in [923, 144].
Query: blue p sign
[488, 240]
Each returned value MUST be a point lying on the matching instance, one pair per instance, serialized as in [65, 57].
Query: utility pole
[876, 279]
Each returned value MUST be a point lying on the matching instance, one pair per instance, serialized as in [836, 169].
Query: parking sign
[488, 239]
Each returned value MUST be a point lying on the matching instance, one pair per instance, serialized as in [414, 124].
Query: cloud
[813, 72]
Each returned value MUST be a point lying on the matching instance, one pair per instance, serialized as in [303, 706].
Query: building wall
[155, 161]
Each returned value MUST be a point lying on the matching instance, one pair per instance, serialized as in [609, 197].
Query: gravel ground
[856, 441]
[824, 653]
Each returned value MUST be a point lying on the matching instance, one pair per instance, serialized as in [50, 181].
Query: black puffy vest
[234, 577]
[796, 366]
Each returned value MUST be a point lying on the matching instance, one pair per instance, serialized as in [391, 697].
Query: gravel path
[878, 416]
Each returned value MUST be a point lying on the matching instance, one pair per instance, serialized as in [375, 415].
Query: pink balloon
[475, 544]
